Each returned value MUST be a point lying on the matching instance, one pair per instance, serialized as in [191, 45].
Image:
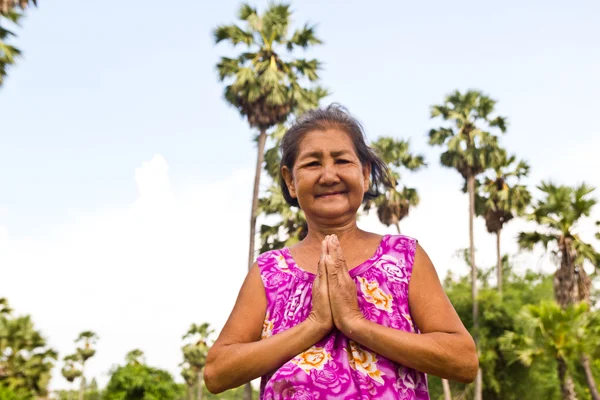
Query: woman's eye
[341, 161]
[312, 164]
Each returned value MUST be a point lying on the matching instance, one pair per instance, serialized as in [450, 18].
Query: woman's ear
[289, 180]
[366, 176]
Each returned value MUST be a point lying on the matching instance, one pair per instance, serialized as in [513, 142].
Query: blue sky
[100, 91]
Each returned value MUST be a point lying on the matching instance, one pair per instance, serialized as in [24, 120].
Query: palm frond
[527, 240]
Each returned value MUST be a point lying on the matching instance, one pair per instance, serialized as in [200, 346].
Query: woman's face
[328, 178]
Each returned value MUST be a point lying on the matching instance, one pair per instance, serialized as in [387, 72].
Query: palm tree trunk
[190, 392]
[567, 387]
[471, 190]
[398, 227]
[589, 377]
[199, 383]
[262, 138]
[446, 387]
[499, 261]
[248, 391]
[82, 383]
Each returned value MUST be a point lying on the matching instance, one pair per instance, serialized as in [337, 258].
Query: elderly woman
[345, 313]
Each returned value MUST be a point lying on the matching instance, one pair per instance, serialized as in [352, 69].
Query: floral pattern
[313, 358]
[374, 295]
[336, 367]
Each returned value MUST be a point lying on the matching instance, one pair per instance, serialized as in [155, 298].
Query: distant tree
[88, 339]
[470, 149]
[548, 332]
[558, 213]
[9, 53]
[394, 204]
[195, 352]
[500, 198]
[25, 358]
[137, 381]
[71, 370]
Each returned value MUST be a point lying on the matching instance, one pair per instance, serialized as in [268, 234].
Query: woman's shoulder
[270, 256]
[399, 245]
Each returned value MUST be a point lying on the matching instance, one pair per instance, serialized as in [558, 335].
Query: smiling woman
[344, 313]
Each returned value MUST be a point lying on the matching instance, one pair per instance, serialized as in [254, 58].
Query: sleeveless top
[336, 367]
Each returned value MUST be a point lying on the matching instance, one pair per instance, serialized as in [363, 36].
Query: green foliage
[138, 381]
[262, 85]
[25, 359]
[394, 203]
[7, 393]
[500, 196]
[470, 147]
[501, 380]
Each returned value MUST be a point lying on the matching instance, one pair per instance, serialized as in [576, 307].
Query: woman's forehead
[330, 140]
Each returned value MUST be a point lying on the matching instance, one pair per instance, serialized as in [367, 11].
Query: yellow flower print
[364, 362]
[267, 328]
[374, 295]
[282, 264]
[313, 358]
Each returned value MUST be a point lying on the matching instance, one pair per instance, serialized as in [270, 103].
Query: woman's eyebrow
[319, 154]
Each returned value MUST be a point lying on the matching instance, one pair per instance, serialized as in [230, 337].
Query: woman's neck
[345, 232]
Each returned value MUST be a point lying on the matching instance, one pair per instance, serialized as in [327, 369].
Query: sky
[125, 179]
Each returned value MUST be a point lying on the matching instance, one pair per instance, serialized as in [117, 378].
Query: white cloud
[137, 276]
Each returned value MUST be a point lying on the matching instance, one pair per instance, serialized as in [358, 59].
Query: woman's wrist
[352, 326]
[316, 329]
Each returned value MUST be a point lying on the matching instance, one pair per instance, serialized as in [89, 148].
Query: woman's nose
[329, 175]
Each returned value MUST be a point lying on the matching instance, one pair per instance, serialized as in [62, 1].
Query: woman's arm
[444, 348]
[239, 356]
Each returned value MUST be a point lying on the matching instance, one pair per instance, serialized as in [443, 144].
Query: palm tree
[195, 353]
[70, 371]
[4, 307]
[135, 357]
[470, 150]
[25, 359]
[548, 332]
[559, 212]
[190, 377]
[7, 5]
[262, 86]
[88, 338]
[501, 200]
[394, 204]
[9, 53]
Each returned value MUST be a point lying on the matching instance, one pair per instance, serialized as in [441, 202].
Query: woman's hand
[342, 289]
[321, 308]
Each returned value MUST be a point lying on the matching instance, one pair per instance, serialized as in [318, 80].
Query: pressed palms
[394, 204]
[501, 198]
[558, 213]
[470, 149]
[194, 353]
[263, 85]
[88, 339]
[549, 332]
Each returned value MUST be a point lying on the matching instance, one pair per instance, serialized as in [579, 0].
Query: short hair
[338, 117]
